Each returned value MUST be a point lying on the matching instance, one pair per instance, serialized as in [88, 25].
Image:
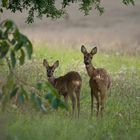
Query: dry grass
[117, 29]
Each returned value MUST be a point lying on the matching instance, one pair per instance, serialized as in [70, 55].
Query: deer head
[50, 69]
[88, 55]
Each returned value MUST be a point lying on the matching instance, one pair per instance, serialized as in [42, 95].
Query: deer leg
[78, 101]
[98, 104]
[66, 98]
[92, 100]
[73, 103]
[103, 98]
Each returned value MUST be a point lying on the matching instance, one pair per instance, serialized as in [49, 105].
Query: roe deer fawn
[68, 85]
[99, 80]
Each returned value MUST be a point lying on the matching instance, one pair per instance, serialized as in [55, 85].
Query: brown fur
[99, 80]
[68, 85]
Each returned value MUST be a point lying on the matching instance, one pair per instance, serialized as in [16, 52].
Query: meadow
[122, 113]
[117, 35]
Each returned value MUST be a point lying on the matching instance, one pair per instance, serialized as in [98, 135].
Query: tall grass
[122, 114]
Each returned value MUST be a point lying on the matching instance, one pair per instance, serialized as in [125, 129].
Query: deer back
[101, 78]
[70, 81]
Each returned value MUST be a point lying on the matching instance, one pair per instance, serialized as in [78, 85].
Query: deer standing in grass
[99, 80]
[68, 85]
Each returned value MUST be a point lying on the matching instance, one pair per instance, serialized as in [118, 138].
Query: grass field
[122, 113]
[117, 35]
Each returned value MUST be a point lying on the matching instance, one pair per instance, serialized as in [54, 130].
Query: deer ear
[83, 49]
[45, 63]
[56, 64]
[94, 51]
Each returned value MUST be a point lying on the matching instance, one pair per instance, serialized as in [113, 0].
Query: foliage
[13, 44]
[14, 49]
[49, 8]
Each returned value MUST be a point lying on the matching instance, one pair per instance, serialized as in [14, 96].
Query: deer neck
[52, 80]
[90, 69]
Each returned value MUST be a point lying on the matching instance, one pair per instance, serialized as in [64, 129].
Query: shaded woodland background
[118, 28]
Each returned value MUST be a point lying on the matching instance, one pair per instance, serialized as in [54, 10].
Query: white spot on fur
[98, 76]
[76, 82]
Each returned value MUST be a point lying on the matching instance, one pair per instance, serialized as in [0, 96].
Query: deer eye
[86, 57]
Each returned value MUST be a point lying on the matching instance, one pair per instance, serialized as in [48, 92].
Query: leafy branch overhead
[13, 44]
[50, 8]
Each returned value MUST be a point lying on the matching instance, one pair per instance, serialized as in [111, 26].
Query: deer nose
[86, 62]
[49, 75]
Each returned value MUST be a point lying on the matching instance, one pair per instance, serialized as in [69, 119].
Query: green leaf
[126, 2]
[21, 99]
[5, 3]
[4, 48]
[13, 92]
[132, 2]
[9, 24]
[29, 49]
[1, 94]
[49, 97]
[1, 34]
[53, 90]
[32, 97]
[1, 10]
[39, 85]
[10, 82]
[24, 93]
[18, 46]
[22, 57]
[13, 41]
[13, 58]
[10, 27]
[16, 35]
[38, 102]
[55, 103]
[5, 101]
[63, 105]
[27, 44]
